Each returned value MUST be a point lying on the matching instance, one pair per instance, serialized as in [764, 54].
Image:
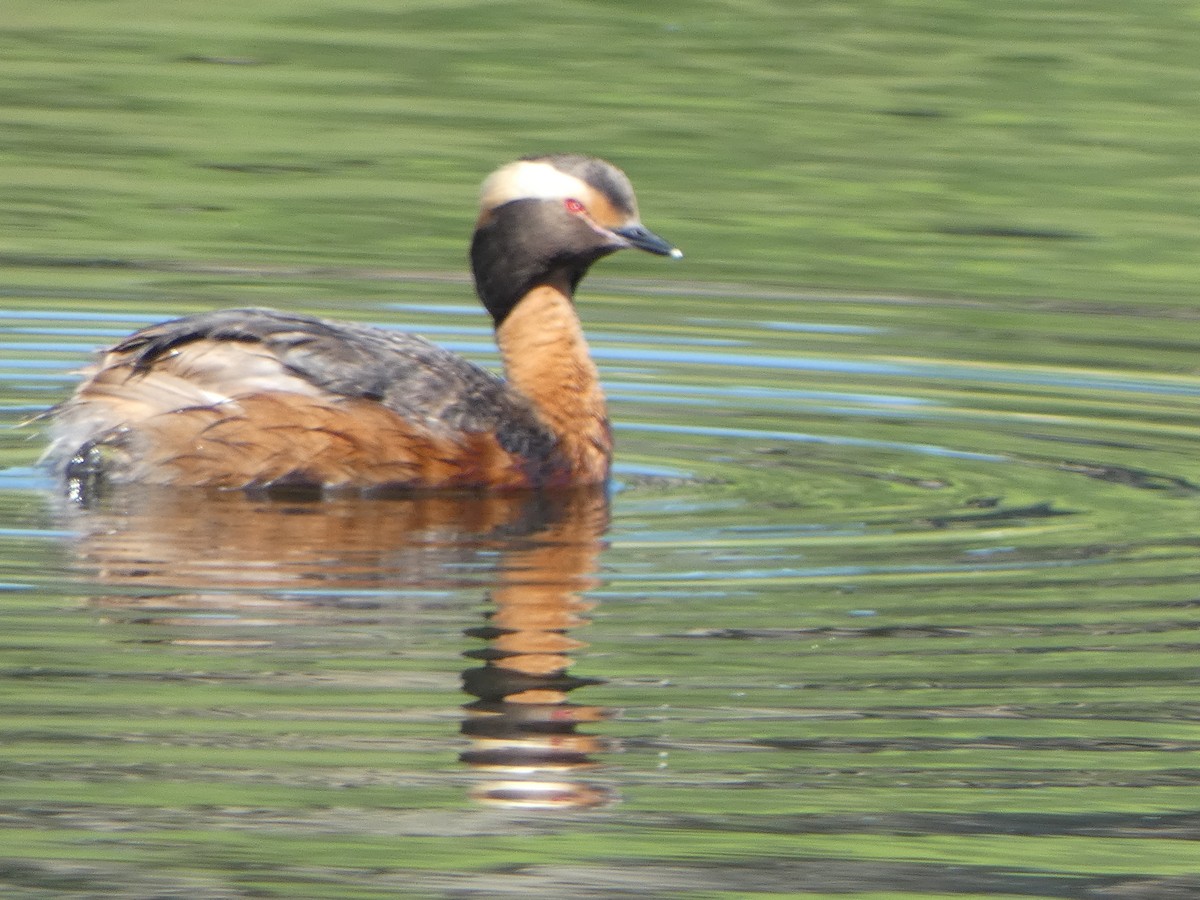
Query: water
[886, 599]
[895, 593]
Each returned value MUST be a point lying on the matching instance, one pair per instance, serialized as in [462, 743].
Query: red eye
[574, 207]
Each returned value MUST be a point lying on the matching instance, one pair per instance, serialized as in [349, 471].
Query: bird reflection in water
[522, 724]
[283, 561]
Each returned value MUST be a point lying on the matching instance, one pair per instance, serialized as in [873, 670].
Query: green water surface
[898, 591]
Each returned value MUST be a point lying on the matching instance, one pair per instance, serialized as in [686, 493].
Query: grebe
[258, 398]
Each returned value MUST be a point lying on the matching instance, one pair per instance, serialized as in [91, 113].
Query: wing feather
[246, 396]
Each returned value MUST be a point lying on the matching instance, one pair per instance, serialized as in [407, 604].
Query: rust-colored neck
[546, 358]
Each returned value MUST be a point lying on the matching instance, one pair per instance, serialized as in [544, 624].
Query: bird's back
[253, 397]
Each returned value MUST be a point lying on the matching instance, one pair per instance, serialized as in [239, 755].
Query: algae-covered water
[895, 593]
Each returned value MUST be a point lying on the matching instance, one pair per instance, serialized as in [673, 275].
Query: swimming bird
[259, 398]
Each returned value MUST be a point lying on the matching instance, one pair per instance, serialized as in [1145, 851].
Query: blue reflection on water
[802, 438]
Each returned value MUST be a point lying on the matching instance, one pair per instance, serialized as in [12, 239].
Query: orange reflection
[522, 724]
[197, 556]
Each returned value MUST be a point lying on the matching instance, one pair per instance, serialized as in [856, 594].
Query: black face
[524, 243]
